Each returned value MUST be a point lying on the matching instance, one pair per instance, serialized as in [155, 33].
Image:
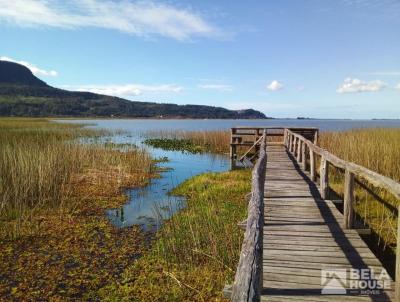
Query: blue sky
[286, 58]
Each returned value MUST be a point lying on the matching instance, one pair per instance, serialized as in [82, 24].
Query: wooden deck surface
[303, 234]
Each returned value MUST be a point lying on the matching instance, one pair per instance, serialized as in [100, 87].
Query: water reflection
[149, 206]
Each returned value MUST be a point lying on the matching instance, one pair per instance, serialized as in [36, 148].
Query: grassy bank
[196, 252]
[55, 243]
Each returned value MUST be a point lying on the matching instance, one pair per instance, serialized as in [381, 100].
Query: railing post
[397, 276]
[284, 137]
[299, 146]
[292, 143]
[348, 199]
[232, 149]
[303, 156]
[312, 165]
[323, 178]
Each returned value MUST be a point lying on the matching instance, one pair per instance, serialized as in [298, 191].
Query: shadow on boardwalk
[303, 235]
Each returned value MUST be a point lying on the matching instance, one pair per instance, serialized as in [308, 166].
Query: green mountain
[23, 94]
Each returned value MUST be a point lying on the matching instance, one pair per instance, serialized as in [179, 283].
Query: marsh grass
[41, 163]
[378, 150]
[196, 251]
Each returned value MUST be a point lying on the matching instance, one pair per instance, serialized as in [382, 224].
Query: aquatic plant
[174, 144]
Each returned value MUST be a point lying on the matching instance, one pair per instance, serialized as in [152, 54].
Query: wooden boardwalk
[304, 235]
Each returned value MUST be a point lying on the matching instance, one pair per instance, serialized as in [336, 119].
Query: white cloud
[274, 85]
[35, 70]
[218, 87]
[397, 86]
[355, 85]
[141, 18]
[128, 90]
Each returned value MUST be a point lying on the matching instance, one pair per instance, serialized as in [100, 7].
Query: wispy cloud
[355, 85]
[274, 85]
[141, 18]
[385, 73]
[217, 87]
[127, 90]
[397, 86]
[35, 70]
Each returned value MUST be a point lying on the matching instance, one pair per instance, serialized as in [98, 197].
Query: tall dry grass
[378, 150]
[41, 163]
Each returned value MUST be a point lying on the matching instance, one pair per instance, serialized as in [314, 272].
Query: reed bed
[41, 163]
[378, 150]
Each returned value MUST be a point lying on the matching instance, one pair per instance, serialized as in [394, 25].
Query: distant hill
[23, 94]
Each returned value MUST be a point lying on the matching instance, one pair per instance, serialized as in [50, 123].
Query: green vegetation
[174, 144]
[190, 141]
[212, 141]
[55, 241]
[197, 250]
[378, 150]
[22, 94]
[217, 141]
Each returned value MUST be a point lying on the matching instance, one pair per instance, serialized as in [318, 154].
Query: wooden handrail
[372, 177]
[248, 279]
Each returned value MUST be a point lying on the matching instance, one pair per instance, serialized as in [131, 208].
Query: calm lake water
[149, 206]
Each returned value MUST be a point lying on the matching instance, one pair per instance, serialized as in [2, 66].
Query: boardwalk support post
[348, 200]
[323, 175]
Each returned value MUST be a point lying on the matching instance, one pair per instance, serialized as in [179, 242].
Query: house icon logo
[333, 281]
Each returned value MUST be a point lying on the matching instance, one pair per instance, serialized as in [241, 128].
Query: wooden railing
[248, 279]
[298, 145]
